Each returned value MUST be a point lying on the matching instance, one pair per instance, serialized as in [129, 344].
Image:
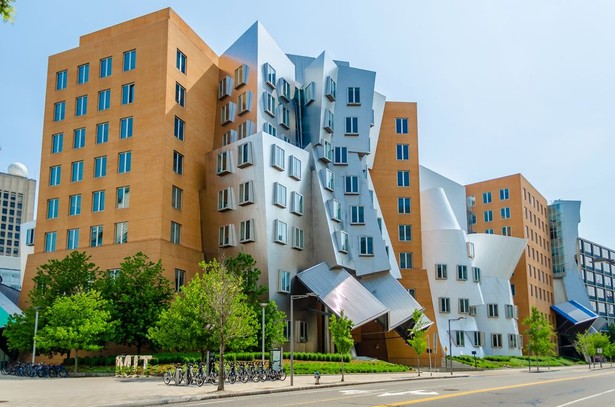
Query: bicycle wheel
[63, 372]
[166, 377]
[282, 374]
[232, 378]
[199, 381]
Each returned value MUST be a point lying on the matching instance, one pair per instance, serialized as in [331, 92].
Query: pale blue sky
[528, 84]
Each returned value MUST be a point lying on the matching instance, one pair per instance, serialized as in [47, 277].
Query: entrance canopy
[574, 312]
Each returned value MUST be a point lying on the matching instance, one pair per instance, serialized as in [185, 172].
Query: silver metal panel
[574, 312]
[338, 290]
[393, 295]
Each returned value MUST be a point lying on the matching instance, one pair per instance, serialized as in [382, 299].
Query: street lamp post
[292, 337]
[35, 330]
[263, 305]
[450, 342]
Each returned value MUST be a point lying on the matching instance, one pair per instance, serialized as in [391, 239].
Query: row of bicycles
[34, 370]
[233, 372]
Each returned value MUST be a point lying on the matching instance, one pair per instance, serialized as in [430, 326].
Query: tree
[231, 317]
[7, 10]
[587, 344]
[340, 328]
[244, 266]
[19, 331]
[540, 333]
[138, 295]
[611, 332]
[417, 337]
[274, 326]
[77, 322]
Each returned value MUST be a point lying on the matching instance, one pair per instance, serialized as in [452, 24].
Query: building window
[176, 197]
[130, 60]
[285, 91]
[246, 193]
[72, 239]
[329, 180]
[269, 104]
[405, 233]
[477, 337]
[505, 213]
[403, 152]
[57, 143]
[496, 340]
[354, 96]
[486, 197]
[104, 99]
[122, 199]
[227, 113]
[281, 232]
[106, 65]
[124, 162]
[59, 111]
[487, 231]
[329, 124]
[178, 128]
[225, 236]
[98, 201]
[178, 163]
[114, 273]
[246, 231]
[128, 93]
[509, 311]
[405, 261]
[284, 281]
[96, 236]
[404, 205]
[244, 102]
[504, 194]
[340, 156]
[351, 185]
[284, 118]
[229, 136]
[81, 105]
[366, 246]
[506, 231]
[352, 126]
[224, 163]
[176, 232]
[441, 272]
[462, 272]
[245, 129]
[401, 125]
[303, 331]
[126, 127]
[277, 157]
[270, 129]
[180, 279]
[244, 154]
[225, 87]
[83, 73]
[279, 195]
[50, 241]
[180, 94]
[357, 215]
[464, 305]
[492, 310]
[241, 76]
[444, 304]
[298, 238]
[344, 242]
[181, 61]
[55, 175]
[476, 274]
[52, 208]
[488, 216]
[225, 197]
[61, 78]
[74, 202]
[330, 89]
[295, 168]
[100, 167]
[269, 75]
[403, 178]
[296, 203]
[512, 341]
[102, 133]
[79, 138]
[325, 152]
[309, 93]
[76, 171]
[460, 339]
[121, 233]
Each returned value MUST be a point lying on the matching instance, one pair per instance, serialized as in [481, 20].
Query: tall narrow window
[298, 238]
[296, 204]
[130, 60]
[281, 232]
[126, 127]
[241, 76]
[295, 168]
[98, 201]
[330, 89]
[270, 75]
[83, 73]
[279, 195]
[180, 279]
[128, 93]
[59, 111]
[441, 272]
[340, 155]
[180, 94]
[96, 236]
[102, 133]
[246, 231]
[57, 143]
[122, 197]
[81, 105]
[351, 183]
[246, 193]
[121, 233]
[100, 166]
[53, 208]
[76, 171]
[104, 99]
[269, 103]
[55, 175]
[79, 138]
[366, 246]
[352, 126]
[244, 154]
[176, 197]
[178, 163]
[444, 304]
[106, 65]
[225, 87]
[354, 96]
[176, 230]
[50, 241]
[277, 157]
[61, 79]
[74, 202]
[124, 162]
[72, 239]
[401, 125]
[181, 61]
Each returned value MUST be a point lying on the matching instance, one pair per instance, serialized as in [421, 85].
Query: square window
[487, 197]
[229, 136]
[130, 60]
[245, 129]
[354, 96]
[401, 125]
[505, 213]
[106, 67]
[366, 246]
[83, 73]
[504, 194]
[351, 183]
[357, 215]
[403, 152]
[246, 231]
[128, 93]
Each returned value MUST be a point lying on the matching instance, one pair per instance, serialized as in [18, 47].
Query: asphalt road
[554, 388]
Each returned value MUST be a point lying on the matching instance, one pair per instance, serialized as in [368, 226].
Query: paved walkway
[132, 392]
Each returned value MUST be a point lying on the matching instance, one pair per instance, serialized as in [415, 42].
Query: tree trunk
[76, 357]
[418, 364]
[342, 367]
[221, 369]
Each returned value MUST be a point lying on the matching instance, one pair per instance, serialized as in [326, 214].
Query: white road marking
[586, 398]
[413, 392]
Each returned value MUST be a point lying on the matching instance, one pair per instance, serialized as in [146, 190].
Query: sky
[502, 87]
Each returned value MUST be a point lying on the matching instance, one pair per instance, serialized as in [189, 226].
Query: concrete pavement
[132, 392]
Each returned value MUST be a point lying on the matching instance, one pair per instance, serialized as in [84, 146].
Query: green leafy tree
[78, 322]
[541, 335]
[19, 331]
[138, 295]
[588, 344]
[417, 337]
[611, 332]
[185, 326]
[231, 318]
[340, 328]
[244, 266]
[274, 326]
[7, 10]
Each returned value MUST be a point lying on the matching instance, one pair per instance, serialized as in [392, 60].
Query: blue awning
[574, 312]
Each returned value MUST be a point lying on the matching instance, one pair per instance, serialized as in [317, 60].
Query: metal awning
[338, 290]
[394, 296]
[574, 312]
[7, 308]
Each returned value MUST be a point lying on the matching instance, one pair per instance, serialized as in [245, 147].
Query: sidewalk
[132, 392]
